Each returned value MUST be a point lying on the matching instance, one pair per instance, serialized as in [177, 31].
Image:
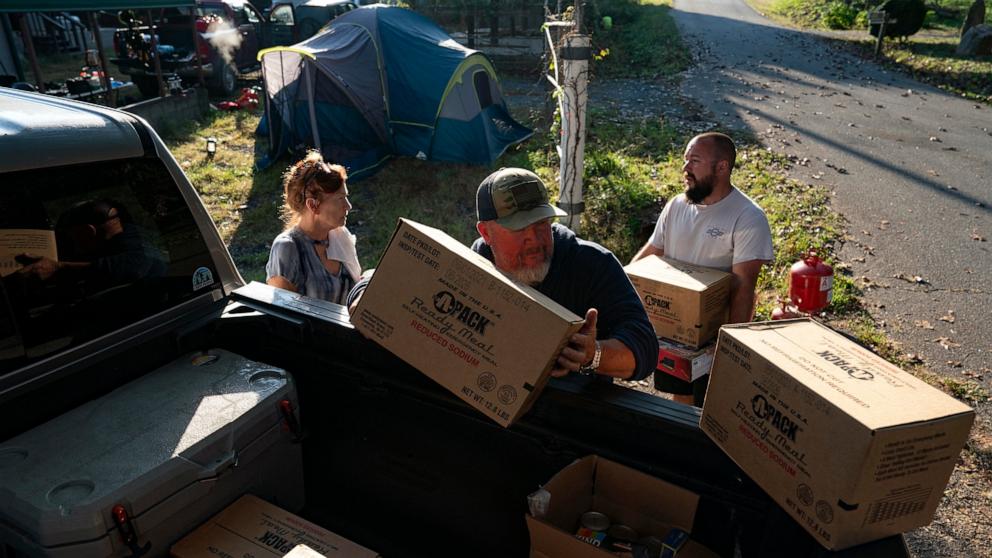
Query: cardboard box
[651, 506]
[448, 312]
[851, 446]
[683, 362]
[685, 303]
[253, 527]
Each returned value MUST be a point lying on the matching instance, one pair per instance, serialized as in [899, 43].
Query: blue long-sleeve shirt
[585, 275]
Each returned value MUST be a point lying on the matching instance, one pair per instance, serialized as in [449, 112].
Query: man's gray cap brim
[523, 219]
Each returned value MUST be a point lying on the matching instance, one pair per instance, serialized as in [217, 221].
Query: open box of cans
[597, 508]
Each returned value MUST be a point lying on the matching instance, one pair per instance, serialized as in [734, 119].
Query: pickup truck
[228, 37]
[390, 459]
[229, 34]
[295, 21]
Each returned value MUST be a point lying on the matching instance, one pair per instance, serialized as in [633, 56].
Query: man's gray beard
[531, 276]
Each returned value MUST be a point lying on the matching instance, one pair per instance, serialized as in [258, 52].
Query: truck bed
[396, 463]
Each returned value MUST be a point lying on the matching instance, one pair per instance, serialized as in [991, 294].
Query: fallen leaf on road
[946, 343]
[913, 358]
[949, 317]
[977, 237]
[935, 139]
[950, 149]
[923, 324]
[860, 259]
[955, 363]
[914, 279]
[817, 176]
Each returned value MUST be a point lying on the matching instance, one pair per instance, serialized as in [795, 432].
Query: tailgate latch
[127, 532]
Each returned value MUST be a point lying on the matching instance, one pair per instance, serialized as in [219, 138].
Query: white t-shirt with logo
[728, 232]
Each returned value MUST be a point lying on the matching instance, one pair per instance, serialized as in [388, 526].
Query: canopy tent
[383, 81]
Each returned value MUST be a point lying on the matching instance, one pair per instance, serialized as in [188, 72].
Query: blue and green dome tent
[382, 81]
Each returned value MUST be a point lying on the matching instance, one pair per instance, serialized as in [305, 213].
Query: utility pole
[575, 54]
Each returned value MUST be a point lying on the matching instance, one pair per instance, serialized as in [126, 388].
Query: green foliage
[643, 42]
[839, 15]
[909, 15]
[946, 15]
[861, 20]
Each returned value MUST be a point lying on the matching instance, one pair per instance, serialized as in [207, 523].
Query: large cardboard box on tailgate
[650, 506]
[685, 303]
[253, 527]
[449, 313]
[851, 446]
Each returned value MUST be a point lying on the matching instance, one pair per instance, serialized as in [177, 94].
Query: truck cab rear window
[87, 249]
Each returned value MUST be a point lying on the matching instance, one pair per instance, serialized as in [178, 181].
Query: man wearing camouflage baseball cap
[518, 236]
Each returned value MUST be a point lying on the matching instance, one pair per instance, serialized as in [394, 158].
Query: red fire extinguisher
[811, 284]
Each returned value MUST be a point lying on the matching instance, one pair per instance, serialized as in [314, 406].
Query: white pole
[574, 58]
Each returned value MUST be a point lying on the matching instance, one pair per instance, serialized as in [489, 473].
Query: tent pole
[156, 54]
[313, 110]
[32, 57]
[107, 86]
[268, 108]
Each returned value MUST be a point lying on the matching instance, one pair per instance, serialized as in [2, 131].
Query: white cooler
[151, 460]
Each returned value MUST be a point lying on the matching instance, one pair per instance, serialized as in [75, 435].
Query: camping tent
[382, 81]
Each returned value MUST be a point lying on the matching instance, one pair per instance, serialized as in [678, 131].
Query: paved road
[911, 168]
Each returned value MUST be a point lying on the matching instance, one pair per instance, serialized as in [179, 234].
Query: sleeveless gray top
[293, 257]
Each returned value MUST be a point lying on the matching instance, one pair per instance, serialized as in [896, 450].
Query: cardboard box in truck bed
[849, 445]
[449, 313]
[253, 527]
[685, 303]
[649, 506]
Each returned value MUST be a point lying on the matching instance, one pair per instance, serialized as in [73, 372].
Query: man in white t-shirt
[715, 225]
